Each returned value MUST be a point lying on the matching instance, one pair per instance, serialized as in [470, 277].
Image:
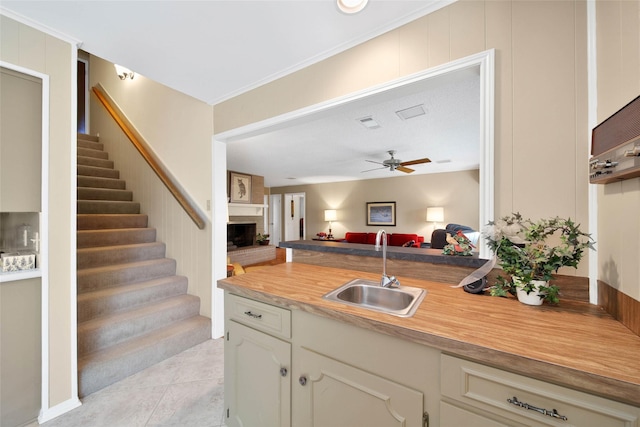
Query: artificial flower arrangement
[523, 251]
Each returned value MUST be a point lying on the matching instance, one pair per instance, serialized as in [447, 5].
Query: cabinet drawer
[264, 317]
[507, 395]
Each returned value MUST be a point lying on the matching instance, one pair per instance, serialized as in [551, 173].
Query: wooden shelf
[245, 209]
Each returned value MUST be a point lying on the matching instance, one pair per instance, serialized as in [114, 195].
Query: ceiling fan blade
[403, 169]
[373, 161]
[415, 162]
[374, 169]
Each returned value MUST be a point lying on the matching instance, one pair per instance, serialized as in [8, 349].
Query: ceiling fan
[397, 164]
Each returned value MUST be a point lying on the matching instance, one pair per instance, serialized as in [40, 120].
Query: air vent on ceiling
[369, 122]
[411, 112]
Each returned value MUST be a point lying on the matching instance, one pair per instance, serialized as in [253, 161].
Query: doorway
[275, 222]
[294, 213]
[83, 94]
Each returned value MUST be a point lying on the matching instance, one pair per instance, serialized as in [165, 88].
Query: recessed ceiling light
[369, 123]
[351, 6]
[411, 112]
[444, 161]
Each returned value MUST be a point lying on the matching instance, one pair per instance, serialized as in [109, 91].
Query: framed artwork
[381, 213]
[239, 188]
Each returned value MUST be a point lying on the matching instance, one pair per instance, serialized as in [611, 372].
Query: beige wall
[179, 129]
[541, 129]
[457, 192]
[27, 47]
[618, 67]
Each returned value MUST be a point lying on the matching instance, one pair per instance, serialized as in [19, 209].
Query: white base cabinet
[256, 371]
[479, 395]
[285, 368]
[332, 393]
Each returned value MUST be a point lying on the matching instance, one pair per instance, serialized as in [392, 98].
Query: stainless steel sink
[402, 301]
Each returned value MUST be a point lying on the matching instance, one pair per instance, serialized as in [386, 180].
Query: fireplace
[240, 234]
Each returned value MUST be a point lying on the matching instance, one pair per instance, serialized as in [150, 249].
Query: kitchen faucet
[385, 281]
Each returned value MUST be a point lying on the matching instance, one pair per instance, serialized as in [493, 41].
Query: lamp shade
[435, 214]
[330, 215]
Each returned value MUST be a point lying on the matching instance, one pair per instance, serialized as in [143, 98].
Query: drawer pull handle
[255, 316]
[302, 380]
[551, 413]
[283, 372]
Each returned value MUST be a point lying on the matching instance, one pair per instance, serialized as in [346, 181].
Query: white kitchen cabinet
[479, 395]
[257, 366]
[332, 393]
[257, 385]
[357, 377]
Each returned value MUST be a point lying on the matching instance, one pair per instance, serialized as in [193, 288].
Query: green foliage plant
[262, 237]
[524, 251]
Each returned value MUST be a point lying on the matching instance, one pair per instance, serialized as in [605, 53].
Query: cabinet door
[20, 141]
[330, 393]
[257, 378]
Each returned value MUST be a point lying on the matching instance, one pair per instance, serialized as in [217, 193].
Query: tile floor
[185, 390]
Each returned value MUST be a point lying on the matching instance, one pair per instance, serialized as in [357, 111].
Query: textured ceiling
[213, 50]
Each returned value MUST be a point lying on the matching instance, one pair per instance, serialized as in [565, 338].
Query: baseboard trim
[622, 307]
[57, 410]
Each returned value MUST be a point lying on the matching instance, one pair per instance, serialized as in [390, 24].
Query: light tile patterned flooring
[185, 390]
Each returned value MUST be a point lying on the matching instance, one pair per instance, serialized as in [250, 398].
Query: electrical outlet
[209, 205]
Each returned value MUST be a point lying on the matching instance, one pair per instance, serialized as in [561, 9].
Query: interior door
[275, 222]
[294, 213]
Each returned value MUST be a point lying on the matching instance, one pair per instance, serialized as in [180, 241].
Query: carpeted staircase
[133, 311]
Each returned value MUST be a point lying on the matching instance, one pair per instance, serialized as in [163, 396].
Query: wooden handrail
[143, 148]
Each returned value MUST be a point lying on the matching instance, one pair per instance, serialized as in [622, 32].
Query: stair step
[106, 331]
[132, 309]
[119, 254]
[100, 369]
[95, 304]
[111, 221]
[87, 193]
[88, 137]
[90, 152]
[114, 236]
[91, 279]
[93, 145]
[84, 170]
[107, 207]
[100, 182]
[90, 161]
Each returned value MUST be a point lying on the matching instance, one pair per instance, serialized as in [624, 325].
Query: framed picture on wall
[239, 188]
[381, 213]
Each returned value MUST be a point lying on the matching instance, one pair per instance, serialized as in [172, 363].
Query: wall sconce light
[330, 215]
[123, 72]
[351, 6]
[435, 215]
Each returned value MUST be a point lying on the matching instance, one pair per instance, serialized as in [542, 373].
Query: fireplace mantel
[245, 209]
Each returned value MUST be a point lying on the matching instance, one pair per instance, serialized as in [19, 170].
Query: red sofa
[395, 239]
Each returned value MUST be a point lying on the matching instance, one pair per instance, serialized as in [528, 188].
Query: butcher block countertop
[574, 344]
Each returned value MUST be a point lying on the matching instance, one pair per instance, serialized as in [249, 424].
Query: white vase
[534, 297]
